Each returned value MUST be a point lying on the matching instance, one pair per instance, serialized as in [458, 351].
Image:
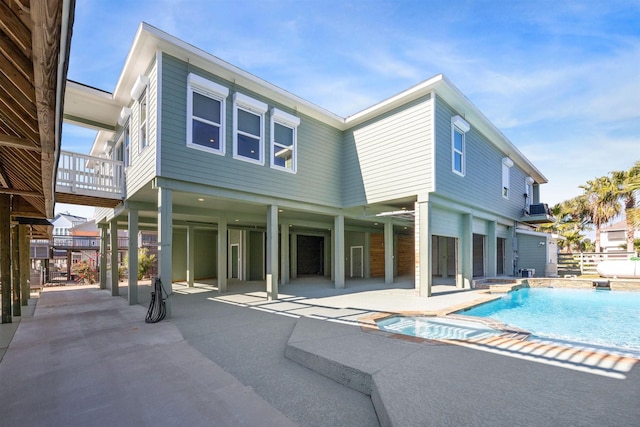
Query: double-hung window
[459, 127]
[284, 129]
[140, 93]
[206, 105]
[125, 139]
[143, 120]
[507, 164]
[248, 128]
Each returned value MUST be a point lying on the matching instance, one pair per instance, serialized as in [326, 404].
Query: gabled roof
[148, 40]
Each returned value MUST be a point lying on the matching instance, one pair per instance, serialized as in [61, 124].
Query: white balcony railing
[90, 176]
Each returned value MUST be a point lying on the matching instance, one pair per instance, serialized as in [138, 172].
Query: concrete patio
[86, 358]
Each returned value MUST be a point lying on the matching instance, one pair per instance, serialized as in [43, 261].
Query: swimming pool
[605, 318]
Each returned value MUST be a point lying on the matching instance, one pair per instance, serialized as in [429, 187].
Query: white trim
[207, 85]
[289, 121]
[257, 108]
[463, 160]
[215, 92]
[460, 123]
[284, 118]
[158, 111]
[125, 113]
[507, 162]
[139, 86]
[250, 104]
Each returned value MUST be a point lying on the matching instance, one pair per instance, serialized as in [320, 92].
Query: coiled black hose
[157, 308]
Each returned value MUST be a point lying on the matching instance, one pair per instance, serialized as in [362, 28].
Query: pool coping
[493, 292]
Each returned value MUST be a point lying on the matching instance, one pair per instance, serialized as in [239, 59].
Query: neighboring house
[62, 245]
[244, 180]
[614, 237]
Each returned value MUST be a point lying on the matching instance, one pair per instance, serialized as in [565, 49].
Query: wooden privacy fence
[577, 264]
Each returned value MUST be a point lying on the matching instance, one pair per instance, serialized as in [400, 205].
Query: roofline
[149, 40]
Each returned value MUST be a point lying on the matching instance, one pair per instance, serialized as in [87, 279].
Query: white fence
[586, 262]
[90, 176]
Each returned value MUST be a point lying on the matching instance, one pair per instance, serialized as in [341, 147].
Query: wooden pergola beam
[17, 142]
[46, 16]
[23, 193]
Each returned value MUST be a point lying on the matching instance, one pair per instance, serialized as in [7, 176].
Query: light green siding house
[243, 180]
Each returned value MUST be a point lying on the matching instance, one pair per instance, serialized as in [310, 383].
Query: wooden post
[25, 271]
[5, 257]
[15, 268]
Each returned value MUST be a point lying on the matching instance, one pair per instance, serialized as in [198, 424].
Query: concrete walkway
[86, 358]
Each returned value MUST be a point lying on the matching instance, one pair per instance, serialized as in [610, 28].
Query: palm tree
[602, 200]
[627, 184]
[571, 220]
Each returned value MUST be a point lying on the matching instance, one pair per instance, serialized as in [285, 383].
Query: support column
[388, 253]
[222, 255]
[272, 252]
[5, 256]
[103, 257]
[466, 253]
[191, 250]
[492, 250]
[165, 237]
[25, 270]
[133, 256]
[113, 238]
[284, 253]
[15, 267]
[338, 251]
[423, 246]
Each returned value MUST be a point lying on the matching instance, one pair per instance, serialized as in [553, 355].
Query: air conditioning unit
[538, 209]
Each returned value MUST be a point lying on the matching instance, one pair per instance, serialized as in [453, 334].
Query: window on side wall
[507, 164]
[143, 120]
[139, 93]
[284, 129]
[206, 105]
[248, 128]
[459, 127]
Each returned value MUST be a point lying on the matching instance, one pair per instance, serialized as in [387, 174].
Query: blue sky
[561, 79]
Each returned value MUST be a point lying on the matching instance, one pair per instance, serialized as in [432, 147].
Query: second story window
[140, 93]
[459, 127]
[248, 128]
[206, 105]
[125, 120]
[284, 140]
[507, 164]
[143, 123]
[127, 140]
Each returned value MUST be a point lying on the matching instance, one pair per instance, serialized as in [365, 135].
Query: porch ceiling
[205, 210]
[34, 50]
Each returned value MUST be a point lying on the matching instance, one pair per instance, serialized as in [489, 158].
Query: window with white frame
[507, 164]
[528, 191]
[284, 129]
[248, 125]
[143, 122]
[127, 143]
[125, 139]
[206, 106]
[139, 93]
[459, 127]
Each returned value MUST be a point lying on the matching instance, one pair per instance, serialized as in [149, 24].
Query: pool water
[606, 318]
